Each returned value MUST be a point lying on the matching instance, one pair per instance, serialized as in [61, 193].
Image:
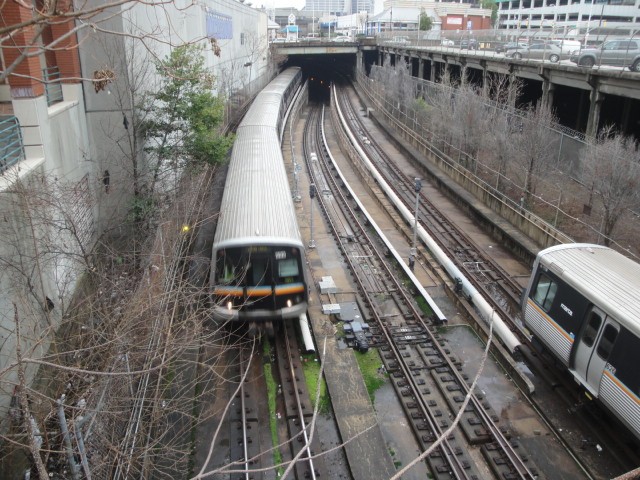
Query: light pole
[296, 171]
[412, 256]
[312, 195]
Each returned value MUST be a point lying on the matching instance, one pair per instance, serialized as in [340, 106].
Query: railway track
[298, 444]
[298, 411]
[426, 376]
[497, 286]
[244, 446]
[147, 397]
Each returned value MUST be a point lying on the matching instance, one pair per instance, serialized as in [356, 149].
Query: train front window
[288, 268]
[259, 271]
[606, 342]
[544, 292]
[227, 267]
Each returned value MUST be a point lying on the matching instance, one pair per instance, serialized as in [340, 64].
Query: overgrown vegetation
[586, 189]
[311, 367]
[370, 367]
[272, 392]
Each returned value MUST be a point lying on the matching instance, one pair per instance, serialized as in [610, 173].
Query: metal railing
[492, 43]
[52, 85]
[11, 145]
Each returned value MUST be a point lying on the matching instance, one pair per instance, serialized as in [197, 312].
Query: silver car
[623, 52]
[538, 51]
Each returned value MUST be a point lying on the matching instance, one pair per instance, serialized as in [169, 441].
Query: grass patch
[369, 364]
[423, 305]
[272, 391]
[311, 368]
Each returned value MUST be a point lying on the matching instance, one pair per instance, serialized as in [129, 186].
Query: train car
[257, 273]
[582, 304]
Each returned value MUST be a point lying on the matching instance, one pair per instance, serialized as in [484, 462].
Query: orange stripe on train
[551, 321]
[622, 387]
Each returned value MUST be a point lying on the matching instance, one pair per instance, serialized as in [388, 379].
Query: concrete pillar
[432, 70]
[511, 101]
[485, 76]
[420, 68]
[596, 100]
[547, 91]
[626, 112]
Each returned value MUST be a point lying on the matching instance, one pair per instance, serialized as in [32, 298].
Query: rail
[52, 85]
[11, 144]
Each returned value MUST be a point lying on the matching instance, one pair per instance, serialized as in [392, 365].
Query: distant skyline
[299, 4]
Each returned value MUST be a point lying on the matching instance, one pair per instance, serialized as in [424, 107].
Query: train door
[594, 348]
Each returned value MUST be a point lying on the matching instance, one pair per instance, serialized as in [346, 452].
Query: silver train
[257, 271]
[583, 304]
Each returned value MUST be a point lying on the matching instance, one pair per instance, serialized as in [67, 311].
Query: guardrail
[52, 86]
[11, 145]
[560, 46]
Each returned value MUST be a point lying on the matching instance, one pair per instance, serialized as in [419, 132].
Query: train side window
[591, 330]
[545, 292]
[606, 342]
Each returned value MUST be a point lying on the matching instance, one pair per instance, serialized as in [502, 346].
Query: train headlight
[229, 305]
[289, 303]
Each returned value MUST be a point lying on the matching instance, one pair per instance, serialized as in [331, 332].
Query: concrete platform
[365, 446]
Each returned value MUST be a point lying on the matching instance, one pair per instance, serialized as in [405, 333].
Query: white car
[447, 43]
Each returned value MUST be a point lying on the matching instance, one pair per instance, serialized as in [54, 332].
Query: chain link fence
[562, 207]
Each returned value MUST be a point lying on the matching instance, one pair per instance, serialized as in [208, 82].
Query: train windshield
[257, 266]
[544, 292]
[288, 268]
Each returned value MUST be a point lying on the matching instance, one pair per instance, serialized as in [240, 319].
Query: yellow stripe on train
[289, 289]
[228, 292]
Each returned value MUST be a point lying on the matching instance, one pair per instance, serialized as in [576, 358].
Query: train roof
[257, 202]
[608, 278]
[264, 110]
[280, 83]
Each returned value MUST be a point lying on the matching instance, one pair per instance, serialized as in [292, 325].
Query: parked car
[538, 51]
[568, 46]
[621, 53]
[469, 44]
[341, 39]
[312, 37]
[510, 45]
[447, 43]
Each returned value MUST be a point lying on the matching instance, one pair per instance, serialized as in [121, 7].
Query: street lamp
[417, 186]
[312, 195]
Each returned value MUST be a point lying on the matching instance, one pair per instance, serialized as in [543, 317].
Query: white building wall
[55, 139]
[71, 145]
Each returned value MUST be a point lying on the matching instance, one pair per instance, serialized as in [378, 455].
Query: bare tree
[536, 150]
[469, 123]
[122, 345]
[501, 124]
[612, 162]
[257, 46]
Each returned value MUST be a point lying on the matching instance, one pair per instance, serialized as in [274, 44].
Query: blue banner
[219, 25]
